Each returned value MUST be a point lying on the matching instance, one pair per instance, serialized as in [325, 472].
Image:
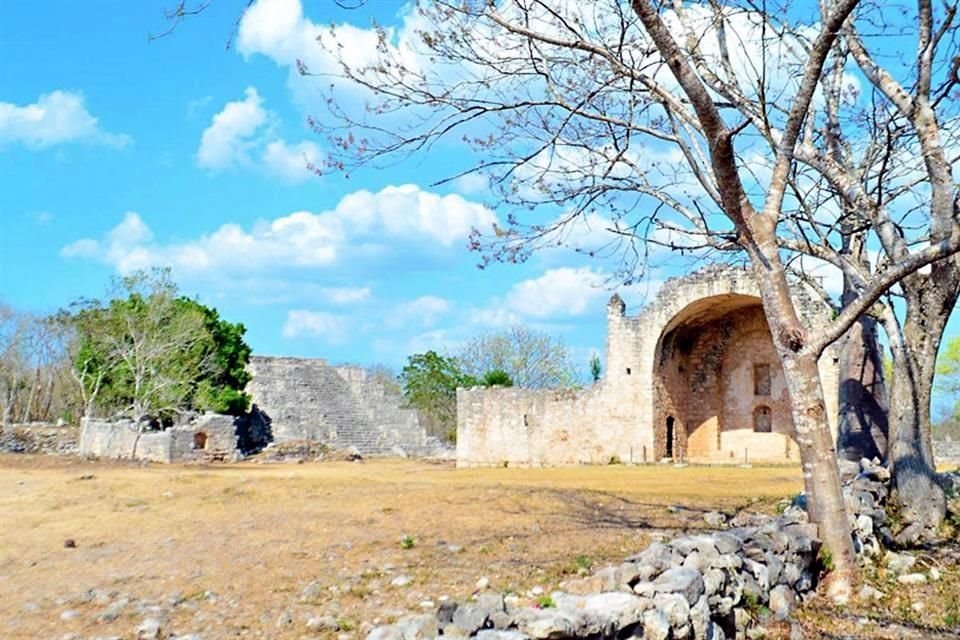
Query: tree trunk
[821, 477]
[863, 425]
[818, 454]
[911, 443]
[136, 439]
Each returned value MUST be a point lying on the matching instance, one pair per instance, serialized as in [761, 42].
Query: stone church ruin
[693, 377]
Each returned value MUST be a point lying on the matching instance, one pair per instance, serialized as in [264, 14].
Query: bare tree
[33, 368]
[11, 362]
[532, 359]
[702, 128]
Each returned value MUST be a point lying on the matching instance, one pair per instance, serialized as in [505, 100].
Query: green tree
[532, 359]
[148, 353]
[430, 384]
[595, 367]
[222, 390]
[497, 378]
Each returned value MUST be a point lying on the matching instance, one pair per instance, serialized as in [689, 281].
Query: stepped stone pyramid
[340, 406]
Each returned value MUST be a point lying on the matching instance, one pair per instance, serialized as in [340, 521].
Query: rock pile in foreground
[705, 586]
[702, 586]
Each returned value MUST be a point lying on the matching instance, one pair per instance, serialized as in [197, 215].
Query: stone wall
[946, 451]
[340, 406]
[528, 427]
[40, 437]
[678, 383]
[207, 436]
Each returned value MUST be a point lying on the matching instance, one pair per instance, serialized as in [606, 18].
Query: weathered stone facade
[340, 406]
[694, 376]
[206, 436]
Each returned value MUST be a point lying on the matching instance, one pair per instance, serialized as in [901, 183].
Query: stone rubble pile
[866, 495]
[706, 586]
[702, 586]
[39, 438]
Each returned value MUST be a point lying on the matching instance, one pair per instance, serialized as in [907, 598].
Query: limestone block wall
[210, 433]
[530, 427]
[115, 439]
[308, 399]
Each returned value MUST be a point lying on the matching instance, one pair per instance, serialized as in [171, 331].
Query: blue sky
[118, 153]
[181, 152]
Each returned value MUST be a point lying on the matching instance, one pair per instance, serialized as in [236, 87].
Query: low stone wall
[207, 435]
[116, 438]
[702, 586]
[534, 427]
[40, 437]
[946, 451]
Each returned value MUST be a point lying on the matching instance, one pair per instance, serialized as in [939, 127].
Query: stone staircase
[342, 407]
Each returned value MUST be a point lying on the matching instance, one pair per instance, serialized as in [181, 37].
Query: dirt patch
[245, 548]
[299, 550]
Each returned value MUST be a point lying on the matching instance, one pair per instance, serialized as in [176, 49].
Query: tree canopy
[430, 382]
[148, 352]
[948, 374]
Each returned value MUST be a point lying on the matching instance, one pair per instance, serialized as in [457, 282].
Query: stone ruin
[693, 377]
[208, 436]
[294, 401]
[343, 407]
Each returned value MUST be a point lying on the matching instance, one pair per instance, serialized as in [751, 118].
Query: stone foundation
[209, 436]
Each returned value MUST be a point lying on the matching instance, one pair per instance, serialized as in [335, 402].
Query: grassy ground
[257, 550]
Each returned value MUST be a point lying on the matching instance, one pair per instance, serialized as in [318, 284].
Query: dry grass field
[258, 550]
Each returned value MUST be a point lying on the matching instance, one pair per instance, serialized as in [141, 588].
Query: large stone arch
[701, 346]
[626, 415]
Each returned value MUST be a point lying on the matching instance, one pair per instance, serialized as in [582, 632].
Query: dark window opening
[628, 370]
[669, 442]
[762, 419]
[526, 422]
[761, 379]
[200, 440]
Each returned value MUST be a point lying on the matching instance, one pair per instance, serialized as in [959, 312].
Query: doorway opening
[669, 443]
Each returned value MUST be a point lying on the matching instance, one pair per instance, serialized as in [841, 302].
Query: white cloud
[123, 247]
[472, 183]
[396, 221]
[329, 327]
[423, 312]
[558, 292]
[42, 218]
[397, 349]
[228, 140]
[83, 248]
[495, 316]
[278, 30]
[241, 136]
[346, 295]
[55, 118]
[290, 161]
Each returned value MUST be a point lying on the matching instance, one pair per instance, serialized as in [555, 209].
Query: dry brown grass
[237, 544]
